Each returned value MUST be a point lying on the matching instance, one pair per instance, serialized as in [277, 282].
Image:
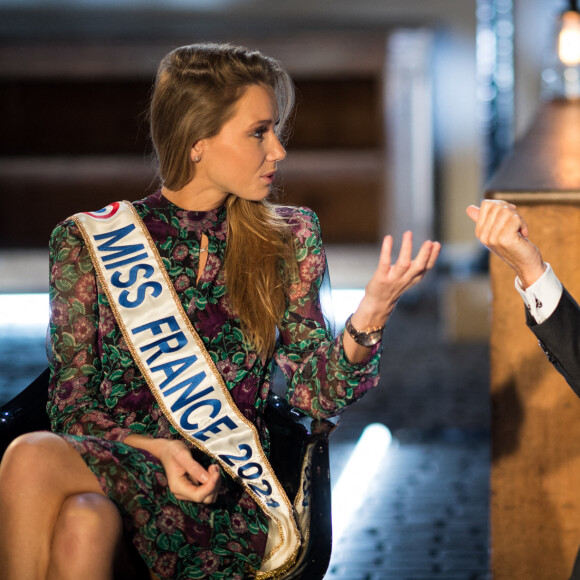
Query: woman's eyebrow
[266, 122]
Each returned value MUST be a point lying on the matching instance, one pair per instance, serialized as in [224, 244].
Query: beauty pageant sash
[181, 373]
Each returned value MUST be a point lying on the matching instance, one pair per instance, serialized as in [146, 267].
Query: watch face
[369, 340]
[364, 338]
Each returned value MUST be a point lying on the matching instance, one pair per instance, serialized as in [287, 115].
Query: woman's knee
[45, 462]
[89, 526]
[25, 456]
[89, 515]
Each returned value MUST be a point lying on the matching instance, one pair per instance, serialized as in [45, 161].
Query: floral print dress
[98, 396]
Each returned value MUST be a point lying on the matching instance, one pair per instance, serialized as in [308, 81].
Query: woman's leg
[88, 542]
[87, 537]
[38, 474]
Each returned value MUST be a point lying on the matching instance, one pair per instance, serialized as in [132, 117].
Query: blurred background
[405, 109]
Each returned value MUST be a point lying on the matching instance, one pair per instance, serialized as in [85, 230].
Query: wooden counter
[535, 475]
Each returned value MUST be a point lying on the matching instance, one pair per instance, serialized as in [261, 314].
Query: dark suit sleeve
[559, 338]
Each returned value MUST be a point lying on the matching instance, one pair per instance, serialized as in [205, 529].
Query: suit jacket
[559, 338]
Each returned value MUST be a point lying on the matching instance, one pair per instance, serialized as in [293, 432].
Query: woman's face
[241, 159]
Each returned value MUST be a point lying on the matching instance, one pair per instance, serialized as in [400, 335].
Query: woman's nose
[277, 151]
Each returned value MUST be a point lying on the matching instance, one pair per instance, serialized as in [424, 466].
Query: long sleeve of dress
[321, 380]
[76, 405]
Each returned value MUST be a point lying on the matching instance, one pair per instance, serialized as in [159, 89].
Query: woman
[248, 275]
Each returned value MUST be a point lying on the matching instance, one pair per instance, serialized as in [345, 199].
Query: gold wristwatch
[368, 337]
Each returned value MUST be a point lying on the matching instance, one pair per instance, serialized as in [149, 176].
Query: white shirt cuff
[542, 297]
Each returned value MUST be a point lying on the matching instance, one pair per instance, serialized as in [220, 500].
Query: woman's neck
[190, 200]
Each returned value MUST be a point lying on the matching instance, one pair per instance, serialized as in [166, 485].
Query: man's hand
[503, 231]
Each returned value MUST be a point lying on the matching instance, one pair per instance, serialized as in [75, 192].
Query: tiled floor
[425, 516]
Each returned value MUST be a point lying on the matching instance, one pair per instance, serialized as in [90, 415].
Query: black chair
[26, 412]
[291, 433]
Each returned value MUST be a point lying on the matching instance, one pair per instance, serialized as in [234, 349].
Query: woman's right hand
[187, 479]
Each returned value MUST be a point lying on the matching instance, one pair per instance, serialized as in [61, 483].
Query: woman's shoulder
[67, 229]
[300, 219]
[66, 243]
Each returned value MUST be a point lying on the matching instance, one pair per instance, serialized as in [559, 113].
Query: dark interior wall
[109, 117]
[64, 117]
[151, 27]
[73, 142]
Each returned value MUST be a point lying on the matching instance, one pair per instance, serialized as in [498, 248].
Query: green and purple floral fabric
[98, 396]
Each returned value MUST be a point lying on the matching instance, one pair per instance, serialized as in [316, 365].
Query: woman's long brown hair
[195, 93]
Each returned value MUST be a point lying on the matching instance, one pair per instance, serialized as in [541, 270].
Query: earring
[197, 159]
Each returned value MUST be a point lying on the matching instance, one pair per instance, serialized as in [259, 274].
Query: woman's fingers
[391, 280]
[188, 479]
[195, 471]
[427, 255]
[213, 485]
[185, 488]
[405, 258]
[406, 252]
[435, 251]
[207, 492]
[385, 255]
[423, 261]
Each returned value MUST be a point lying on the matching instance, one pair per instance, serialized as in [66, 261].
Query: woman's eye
[259, 133]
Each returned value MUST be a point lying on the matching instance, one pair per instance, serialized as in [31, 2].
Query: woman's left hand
[388, 283]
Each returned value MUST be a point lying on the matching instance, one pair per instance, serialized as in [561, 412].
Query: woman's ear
[196, 152]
